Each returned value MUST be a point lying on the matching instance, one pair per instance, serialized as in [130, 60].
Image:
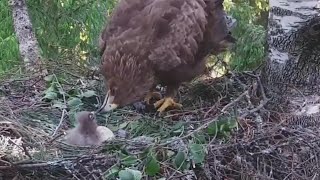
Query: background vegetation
[67, 30]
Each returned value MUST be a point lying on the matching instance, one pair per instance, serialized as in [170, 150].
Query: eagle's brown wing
[179, 27]
[126, 16]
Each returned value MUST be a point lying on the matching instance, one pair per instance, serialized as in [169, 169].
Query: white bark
[293, 63]
[28, 44]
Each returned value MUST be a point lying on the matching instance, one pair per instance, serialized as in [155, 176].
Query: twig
[26, 151]
[60, 123]
[37, 164]
[22, 147]
[185, 112]
[235, 101]
[262, 104]
[45, 164]
[175, 171]
[259, 83]
[63, 110]
[5, 162]
[55, 138]
[214, 106]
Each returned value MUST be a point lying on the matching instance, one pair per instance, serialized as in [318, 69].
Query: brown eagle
[151, 42]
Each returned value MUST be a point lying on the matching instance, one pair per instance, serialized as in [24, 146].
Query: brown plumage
[151, 42]
[87, 132]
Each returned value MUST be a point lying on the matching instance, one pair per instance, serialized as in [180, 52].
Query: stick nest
[232, 117]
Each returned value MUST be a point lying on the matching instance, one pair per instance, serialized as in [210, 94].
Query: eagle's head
[128, 80]
[221, 27]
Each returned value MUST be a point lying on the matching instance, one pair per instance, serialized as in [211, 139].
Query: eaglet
[87, 132]
[151, 42]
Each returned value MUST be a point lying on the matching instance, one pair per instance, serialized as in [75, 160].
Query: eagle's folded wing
[178, 28]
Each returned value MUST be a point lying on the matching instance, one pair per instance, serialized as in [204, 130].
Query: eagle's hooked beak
[108, 104]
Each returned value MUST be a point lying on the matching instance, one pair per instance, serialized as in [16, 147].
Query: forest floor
[227, 129]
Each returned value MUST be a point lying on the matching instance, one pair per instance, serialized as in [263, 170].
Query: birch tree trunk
[292, 71]
[28, 44]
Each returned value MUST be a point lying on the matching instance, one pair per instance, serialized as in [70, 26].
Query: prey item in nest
[151, 42]
[87, 132]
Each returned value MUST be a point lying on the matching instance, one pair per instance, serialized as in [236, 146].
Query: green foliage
[197, 152]
[250, 33]
[9, 54]
[222, 128]
[130, 174]
[61, 99]
[65, 29]
[152, 165]
[128, 160]
[68, 28]
[180, 161]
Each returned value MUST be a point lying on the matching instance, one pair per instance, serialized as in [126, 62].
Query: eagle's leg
[168, 101]
[152, 94]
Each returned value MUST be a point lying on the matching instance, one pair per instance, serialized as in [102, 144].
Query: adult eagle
[151, 42]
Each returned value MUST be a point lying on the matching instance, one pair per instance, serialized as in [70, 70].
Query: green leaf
[180, 160]
[130, 174]
[123, 125]
[74, 102]
[73, 92]
[61, 91]
[89, 93]
[223, 127]
[212, 129]
[128, 160]
[152, 166]
[137, 174]
[49, 78]
[197, 152]
[112, 173]
[178, 126]
[178, 129]
[199, 138]
[51, 95]
[126, 175]
[52, 88]
[59, 104]
[233, 123]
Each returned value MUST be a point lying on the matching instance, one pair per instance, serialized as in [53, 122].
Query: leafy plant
[222, 127]
[197, 152]
[152, 166]
[9, 55]
[62, 99]
[181, 161]
[250, 33]
[130, 174]
[128, 160]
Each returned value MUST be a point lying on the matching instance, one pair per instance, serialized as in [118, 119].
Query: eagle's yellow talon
[150, 95]
[164, 103]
